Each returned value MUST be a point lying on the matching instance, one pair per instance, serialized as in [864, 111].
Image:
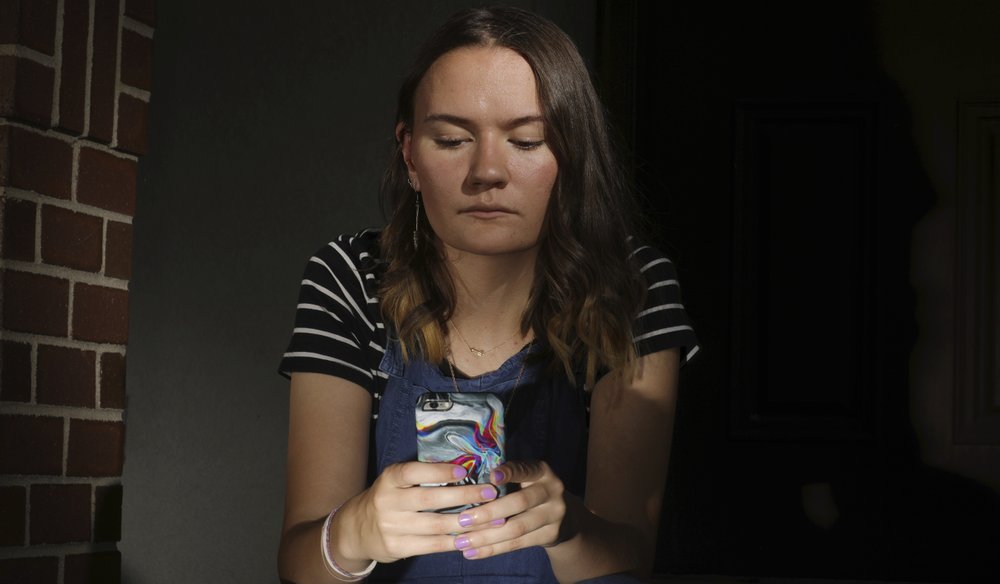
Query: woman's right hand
[387, 522]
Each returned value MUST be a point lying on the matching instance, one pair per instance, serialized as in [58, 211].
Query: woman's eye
[448, 142]
[527, 144]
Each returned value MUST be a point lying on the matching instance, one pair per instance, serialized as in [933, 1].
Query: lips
[487, 211]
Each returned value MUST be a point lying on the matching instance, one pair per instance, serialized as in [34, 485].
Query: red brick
[8, 22]
[103, 69]
[72, 239]
[35, 304]
[137, 60]
[133, 124]
[118, 251]
[26, 93]
[15, 372]
[4, 149]
[44, 434]
[108, 513]
[66, 377]
[8, 73]
[29, 570]
[34, 87]
[19, 230]
[96, 449]
[96, 568]
[112, 381]
[60, 513]
[12, 505]
[141, 10]
[37, 25]
[100, 314]
[39, 163]
[31, 23]
[73, 86]
[106, 181]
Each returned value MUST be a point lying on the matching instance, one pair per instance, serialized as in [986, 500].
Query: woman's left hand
[536, 514]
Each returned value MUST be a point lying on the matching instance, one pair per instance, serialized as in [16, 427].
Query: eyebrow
[466, 123]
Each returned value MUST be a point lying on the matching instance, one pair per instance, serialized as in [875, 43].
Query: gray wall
[269, 128]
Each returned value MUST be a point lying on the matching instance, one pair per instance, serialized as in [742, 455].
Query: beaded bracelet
[331, 565]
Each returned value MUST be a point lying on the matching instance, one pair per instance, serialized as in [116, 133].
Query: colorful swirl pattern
[470, 433]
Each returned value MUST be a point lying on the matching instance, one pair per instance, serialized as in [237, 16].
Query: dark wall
[269, 128]
[802, 161]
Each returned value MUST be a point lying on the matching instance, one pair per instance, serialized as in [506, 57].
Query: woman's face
[477, 152]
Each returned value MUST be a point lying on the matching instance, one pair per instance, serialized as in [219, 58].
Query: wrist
[343, 536]
[338, 540]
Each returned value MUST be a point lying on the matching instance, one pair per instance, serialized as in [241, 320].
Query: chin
[498, 248]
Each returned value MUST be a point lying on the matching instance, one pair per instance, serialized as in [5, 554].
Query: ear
[405, 139]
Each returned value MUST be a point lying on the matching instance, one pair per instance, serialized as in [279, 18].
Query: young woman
[507, 267]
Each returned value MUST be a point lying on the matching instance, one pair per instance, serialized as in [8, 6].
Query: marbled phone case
[466, 429]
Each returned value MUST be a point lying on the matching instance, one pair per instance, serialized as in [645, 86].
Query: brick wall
[75, 81]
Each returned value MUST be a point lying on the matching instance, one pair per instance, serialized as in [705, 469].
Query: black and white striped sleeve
[662, 323]
[334, 324]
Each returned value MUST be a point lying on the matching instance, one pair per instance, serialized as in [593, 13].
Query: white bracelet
[331, 565]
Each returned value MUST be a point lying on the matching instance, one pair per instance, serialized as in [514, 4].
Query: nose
[488, 169]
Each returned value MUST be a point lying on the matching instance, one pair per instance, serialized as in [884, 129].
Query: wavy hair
[587, 289]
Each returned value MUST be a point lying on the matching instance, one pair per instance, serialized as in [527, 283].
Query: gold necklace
[517, 382]
[481, 352]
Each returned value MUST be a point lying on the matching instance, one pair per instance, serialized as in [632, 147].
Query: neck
[491, 294]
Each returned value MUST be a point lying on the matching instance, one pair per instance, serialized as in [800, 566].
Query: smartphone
[466, 429]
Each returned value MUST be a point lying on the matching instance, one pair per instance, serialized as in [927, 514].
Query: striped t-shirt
[339, 329]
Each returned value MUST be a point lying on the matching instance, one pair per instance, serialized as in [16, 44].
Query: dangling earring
[416, 224]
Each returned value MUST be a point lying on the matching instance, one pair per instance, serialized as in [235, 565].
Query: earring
[416, 224]
[409, 181]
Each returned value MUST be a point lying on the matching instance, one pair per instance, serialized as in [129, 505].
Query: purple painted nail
[459, 472]
[498, 522]
[496, 477]
[488, 493]
[461, 542]
[465, 520]
[469, 554]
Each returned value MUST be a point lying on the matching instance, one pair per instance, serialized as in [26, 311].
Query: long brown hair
[586, 290]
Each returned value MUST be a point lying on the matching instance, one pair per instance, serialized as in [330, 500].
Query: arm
[327, 463]
[630, 436]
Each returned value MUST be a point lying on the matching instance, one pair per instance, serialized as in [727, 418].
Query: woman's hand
[387, 522]
[536, 514]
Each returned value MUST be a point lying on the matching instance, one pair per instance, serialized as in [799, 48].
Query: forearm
[300, 557]
[599, 547]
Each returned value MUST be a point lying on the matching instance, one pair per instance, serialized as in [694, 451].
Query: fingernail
[462, 542]
[469, 554]
[459, 472]
[496, 477]
[498, 522]
[488, 493]
[465, 520]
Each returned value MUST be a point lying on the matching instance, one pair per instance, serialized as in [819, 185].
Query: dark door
[779, 172]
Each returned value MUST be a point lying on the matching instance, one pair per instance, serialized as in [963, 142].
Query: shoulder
[350, 262]
[358, 252]
[338, 325]
[663, 321]
[653, 264]
[342, 278]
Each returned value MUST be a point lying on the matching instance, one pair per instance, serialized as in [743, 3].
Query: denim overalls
[546, 420]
